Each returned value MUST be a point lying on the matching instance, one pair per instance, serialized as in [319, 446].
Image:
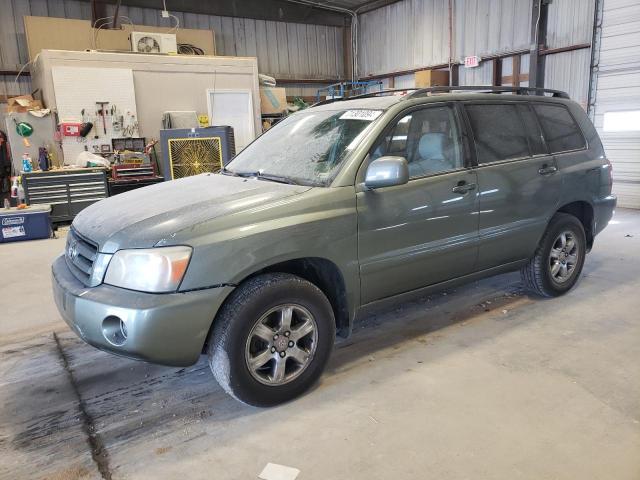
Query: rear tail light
[610, 169]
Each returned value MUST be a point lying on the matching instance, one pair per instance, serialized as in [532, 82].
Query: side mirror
[387, 172]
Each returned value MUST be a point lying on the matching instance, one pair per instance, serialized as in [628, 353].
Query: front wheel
[272, 339]
[557, 263]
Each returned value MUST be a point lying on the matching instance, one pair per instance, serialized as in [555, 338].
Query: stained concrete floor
[478, 382]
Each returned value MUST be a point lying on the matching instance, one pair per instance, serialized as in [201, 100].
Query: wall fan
[148, 42]
[148, 45]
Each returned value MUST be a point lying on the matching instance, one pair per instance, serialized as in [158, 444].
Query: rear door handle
[463, 187]
[548, 169]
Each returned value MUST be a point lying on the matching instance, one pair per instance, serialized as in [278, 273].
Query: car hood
[142, 218]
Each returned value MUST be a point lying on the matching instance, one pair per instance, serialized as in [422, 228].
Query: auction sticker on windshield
[366, 115]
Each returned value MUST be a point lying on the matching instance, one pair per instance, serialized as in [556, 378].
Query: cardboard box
[22, 104]
[273, 100]
[431, 78]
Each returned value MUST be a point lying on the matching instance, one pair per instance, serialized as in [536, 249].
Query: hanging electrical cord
[15, 80]
[177, 25]
[188, 49]
[96, 31]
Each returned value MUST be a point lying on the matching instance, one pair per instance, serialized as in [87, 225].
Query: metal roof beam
[373, 5]
[274, 10]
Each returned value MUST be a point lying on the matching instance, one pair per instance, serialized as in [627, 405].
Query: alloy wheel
[564, 256]
[281, 344]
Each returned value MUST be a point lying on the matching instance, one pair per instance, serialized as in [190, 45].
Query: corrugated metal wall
[481, 75]
[569, 71]
[415, 33]
[284, 50]
[403, 36]
[570, 22]
[489, 27]
[618, 89]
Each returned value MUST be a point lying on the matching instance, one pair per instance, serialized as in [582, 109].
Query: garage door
[617, 111]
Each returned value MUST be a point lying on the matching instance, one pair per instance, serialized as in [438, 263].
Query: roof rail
[418, 92]
[365, 95]
[489, 89]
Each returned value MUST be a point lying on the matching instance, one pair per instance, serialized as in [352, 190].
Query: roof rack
[489, 89]
[365, 95]
[418, 92]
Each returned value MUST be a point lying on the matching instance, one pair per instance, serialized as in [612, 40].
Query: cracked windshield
[306, 148]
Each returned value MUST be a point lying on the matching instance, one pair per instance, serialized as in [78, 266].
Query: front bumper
[168, 329]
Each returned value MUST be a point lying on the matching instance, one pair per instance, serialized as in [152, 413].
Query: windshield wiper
[266, 176]
[225, 171]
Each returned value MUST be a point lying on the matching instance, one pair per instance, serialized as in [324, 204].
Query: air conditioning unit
[148, 42]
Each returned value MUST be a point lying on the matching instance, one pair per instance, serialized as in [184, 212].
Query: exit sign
[472, 61]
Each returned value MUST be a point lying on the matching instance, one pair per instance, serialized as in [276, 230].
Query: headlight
[155, 270]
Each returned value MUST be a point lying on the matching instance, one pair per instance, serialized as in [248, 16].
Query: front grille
[80, 255]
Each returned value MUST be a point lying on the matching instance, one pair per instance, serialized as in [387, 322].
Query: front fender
[321, 223]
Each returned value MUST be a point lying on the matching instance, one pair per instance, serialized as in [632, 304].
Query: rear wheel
[559, 258]
[272, 339]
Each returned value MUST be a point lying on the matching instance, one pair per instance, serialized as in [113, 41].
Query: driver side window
[427, 138]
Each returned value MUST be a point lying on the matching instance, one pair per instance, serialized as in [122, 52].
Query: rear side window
[560, 129]
[498, 131]
[536, 144]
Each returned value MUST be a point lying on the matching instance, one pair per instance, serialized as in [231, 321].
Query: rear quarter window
[559, 128]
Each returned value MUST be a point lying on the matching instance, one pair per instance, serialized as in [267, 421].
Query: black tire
[246, 305]
[537, 274]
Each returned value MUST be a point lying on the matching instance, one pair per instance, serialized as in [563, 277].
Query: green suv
[348, 204]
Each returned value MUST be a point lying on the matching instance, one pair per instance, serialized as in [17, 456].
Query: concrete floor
[481, 382]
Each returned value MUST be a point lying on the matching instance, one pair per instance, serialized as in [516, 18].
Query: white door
[234, 108]
[617, 111]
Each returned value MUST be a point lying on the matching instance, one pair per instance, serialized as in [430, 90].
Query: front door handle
[547, 169]
[463, 187]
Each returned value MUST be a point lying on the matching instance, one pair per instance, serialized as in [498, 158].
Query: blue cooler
[30, 223]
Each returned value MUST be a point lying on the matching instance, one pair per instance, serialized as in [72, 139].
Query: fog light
[114, 330]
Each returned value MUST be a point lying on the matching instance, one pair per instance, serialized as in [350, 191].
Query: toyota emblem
[72, 250]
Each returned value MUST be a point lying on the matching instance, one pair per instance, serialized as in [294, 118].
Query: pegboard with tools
[94, 106]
